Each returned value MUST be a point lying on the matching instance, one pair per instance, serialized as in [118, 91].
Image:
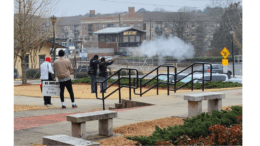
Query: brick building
[93, 22]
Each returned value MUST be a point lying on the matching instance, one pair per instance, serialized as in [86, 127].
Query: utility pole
[150, 29]
[119, 21]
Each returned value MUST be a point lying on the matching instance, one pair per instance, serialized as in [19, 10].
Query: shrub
[83, 80]
[33, 74]
[193, 127]
[80, 75]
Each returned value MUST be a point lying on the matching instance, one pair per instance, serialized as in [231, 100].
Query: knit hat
[103, 59]
[48, 59]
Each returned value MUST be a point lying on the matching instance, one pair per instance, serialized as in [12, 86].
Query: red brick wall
[112, 45]
[102, 44]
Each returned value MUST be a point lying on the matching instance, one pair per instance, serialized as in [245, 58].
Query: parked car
[16, 74]
[215, 77]
[179, 76]
[236, 80]
[216, 68]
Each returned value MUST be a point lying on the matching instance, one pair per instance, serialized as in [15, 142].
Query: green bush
[207, 85]
[80, 75]
[33, 74]
[83, 80]
[193, 127]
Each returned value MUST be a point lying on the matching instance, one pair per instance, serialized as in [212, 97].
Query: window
[117, 24]
[97, 27]
[113, 38]
[139, 25]
[110, 25]
[101, 38]
[90, 34]
[125, 40]
[85, 35]
[151, 24]
[124, 25]
[90, 27]
[71, 27]
[131, 25]
[132, 38]
[108, 38]
[71, 35]
[103, 26]
[144, 26]
[137, 39]
[84, 27]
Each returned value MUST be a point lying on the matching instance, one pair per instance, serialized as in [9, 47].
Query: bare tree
[29, 18]
[179, 22]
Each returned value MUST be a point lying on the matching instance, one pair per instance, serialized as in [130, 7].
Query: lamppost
[231, 32]
[53, 20]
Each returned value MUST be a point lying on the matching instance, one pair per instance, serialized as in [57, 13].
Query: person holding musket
[93, 73]
[103, 73]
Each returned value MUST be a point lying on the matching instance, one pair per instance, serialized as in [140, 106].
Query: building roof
[113, 30]
[71, 20]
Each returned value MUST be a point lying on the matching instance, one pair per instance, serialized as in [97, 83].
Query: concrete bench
[195, 102]
[67, 140]
[105, 122]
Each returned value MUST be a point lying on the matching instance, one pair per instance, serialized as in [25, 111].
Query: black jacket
[103, 68]
[93, 66]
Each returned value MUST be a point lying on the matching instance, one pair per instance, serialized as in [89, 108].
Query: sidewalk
[51, 124]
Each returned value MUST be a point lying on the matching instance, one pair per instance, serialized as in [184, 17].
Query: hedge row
[193, 128]
[212, 84]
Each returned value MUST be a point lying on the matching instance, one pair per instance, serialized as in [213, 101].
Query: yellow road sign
[224, 61]
[225, 52]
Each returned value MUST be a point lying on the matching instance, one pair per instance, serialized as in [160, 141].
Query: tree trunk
[24, 79]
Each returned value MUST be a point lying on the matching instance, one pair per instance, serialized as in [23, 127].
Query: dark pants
[47, 99]
[68, 85]
[93, 79]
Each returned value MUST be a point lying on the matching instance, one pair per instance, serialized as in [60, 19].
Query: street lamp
[231, 31]
[53, 20]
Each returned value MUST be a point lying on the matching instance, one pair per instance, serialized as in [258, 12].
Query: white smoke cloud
[173, 46]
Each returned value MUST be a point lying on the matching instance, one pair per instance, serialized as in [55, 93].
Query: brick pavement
[35, 121]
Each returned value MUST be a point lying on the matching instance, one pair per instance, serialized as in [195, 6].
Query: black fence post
[102, 96]
[119, 88]
[168, 79]
[157, 82]
[203, 77]
[192, 78]
[129, 84]
[175, 78]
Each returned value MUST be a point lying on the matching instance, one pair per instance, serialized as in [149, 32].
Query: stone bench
[195, 102]
[105, 118]
[67, 140]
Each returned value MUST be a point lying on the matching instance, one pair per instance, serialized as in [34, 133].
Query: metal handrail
[157, 77]
[119, 85]
[192, 72]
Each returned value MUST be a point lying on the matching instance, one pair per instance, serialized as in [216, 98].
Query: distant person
[93, 72]
[63, 69]
[103, 73]
[46, 75]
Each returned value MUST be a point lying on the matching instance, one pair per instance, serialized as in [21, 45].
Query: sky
[81, 7]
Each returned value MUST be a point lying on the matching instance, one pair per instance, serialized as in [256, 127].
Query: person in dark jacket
[103, 72]
[93, 73]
